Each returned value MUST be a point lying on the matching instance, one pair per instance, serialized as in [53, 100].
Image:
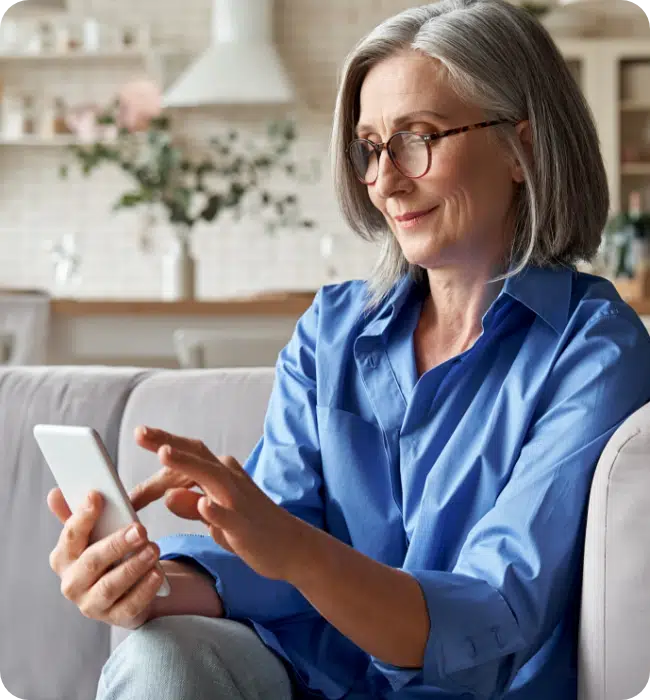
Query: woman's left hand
[240, 516]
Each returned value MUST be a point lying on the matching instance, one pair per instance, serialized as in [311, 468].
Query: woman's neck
[454, 306]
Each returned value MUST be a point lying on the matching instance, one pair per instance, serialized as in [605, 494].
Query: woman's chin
[428, 256]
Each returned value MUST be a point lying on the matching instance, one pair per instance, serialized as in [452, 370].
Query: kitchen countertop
[278, 304]
[263, 304]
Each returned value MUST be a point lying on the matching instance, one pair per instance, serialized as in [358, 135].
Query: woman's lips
[413, 222]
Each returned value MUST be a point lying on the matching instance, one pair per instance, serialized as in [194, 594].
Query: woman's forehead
[405, 84]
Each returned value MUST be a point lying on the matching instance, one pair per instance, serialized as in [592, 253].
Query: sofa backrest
[224, 408]
[614, 653]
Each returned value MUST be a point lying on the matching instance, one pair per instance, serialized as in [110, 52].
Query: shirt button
[373, 361]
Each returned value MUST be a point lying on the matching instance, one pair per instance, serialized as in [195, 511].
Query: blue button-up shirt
[473, 478]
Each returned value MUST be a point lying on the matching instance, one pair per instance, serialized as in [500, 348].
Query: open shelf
[635, 169]
[635, 106]
[126, 54]
[59, 141]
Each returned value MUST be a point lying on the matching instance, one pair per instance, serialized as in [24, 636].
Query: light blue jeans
[188, 657]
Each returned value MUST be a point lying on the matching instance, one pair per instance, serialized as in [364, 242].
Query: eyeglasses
[409, 152]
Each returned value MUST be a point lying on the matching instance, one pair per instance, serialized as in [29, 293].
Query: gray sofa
[49, 651]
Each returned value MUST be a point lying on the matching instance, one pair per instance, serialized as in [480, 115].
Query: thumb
[184, 503]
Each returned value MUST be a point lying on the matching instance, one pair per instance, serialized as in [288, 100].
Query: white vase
[179, 269]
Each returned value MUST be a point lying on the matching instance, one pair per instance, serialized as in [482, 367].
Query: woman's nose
[389, 179]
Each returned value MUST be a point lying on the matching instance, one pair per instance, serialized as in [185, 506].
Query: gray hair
[498, 57]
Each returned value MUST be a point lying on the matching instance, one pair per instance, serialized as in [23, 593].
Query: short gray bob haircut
[498, 57]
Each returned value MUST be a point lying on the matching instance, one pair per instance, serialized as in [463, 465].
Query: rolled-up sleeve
[520, 564]
[286, 465]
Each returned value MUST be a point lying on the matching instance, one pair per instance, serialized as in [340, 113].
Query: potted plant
[626, 250]
[184, 183]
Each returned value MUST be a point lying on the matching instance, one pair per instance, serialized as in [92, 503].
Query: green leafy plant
[190, 186]
[637, 226]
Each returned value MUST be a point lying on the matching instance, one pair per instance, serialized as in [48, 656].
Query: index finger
[58, 505]
[153, 439]
[156, 486]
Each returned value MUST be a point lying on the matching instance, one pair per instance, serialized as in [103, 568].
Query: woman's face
[468, 191]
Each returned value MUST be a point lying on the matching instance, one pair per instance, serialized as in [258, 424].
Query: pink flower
[82, 121]
[140, 101]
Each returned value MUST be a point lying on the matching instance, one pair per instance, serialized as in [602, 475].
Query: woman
[410, 525]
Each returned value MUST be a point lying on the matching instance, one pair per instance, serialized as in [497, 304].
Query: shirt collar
[545, 291]
[380, 318]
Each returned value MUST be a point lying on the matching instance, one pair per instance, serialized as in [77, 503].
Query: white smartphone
[80, 463]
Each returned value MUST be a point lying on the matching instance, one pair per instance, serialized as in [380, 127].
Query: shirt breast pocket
[360, 507]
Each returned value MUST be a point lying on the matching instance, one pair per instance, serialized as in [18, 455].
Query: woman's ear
[525, 137]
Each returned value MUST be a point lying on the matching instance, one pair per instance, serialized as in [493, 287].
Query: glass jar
[12, 116]
[29, 116]
[60, 114]
[47, 118]
[92, 36]
[47, 37]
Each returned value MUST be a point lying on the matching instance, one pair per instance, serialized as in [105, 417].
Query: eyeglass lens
[409, 153]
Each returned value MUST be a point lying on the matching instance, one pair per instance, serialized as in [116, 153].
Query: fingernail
[133, 535]
[144, 431]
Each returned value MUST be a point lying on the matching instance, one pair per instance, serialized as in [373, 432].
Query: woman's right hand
[92, 576]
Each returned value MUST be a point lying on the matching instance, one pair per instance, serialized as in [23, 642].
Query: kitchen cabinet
[614, 75]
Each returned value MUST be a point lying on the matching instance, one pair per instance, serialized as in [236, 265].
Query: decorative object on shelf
[626, 249]
[12, 116]
[29, 115]
[635, 80]
[65, 33]
[9, 36]
[46, 118]
[632, 153]
[190, 183]
[82, 122]
[66, 261]
[327, 245]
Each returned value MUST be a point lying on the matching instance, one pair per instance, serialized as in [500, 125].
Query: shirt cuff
[472, 631]
[243, 592]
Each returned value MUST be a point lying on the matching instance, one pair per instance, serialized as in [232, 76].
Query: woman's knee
[184, 656]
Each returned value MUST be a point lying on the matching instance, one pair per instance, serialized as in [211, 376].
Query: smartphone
[80, 463]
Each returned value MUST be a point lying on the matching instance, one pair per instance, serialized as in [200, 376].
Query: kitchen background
[106, 275]
[39, 208]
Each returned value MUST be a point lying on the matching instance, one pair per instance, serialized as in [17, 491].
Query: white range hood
[241, 66]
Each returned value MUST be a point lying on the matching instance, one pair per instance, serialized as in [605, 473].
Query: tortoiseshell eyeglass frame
[428, 140]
